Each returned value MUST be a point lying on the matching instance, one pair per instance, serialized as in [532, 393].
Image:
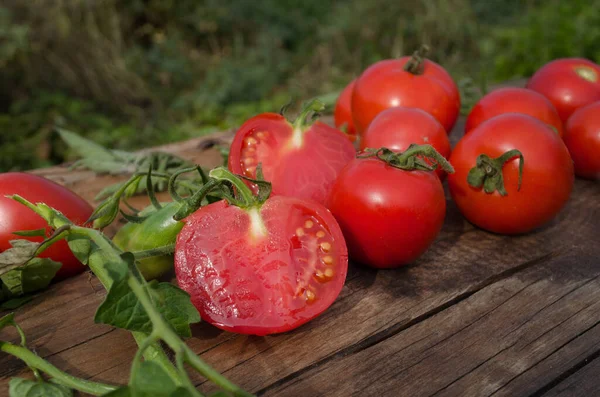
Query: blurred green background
[138, 73]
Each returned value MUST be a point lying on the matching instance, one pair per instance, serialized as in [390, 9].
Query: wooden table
[479, 314]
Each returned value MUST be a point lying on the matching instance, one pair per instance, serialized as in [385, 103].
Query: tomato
[158, 230]
[582, 138]
[569, 83]
[398, 128]
[501, 206]
[299, 160]
[261, 270]
[386, 84]
[17, 217]
[389, 216]
[514, 100]
[342, 114]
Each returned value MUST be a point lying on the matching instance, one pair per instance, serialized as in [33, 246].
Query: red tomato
[387, 84]
[392, 216]
[261, 271]
[16, 217]
[299, 161]
[582, 138]
[398, 128]
[568, 83]
[514, 100]
[343, 111]
[547, 178]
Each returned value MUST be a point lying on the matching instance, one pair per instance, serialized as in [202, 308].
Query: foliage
[131, 74]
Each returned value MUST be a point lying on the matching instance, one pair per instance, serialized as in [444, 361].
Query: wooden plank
[582, 383]
[475, 347]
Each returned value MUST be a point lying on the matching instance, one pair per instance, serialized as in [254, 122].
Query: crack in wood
[576, 367]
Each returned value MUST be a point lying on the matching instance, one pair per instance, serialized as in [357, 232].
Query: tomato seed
[320, 234]
[325, 246]
[328, 260]
[308, 224]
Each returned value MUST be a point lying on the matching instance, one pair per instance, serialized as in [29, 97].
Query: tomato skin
[392, 216]
[547, 175]
[342, 114]
[569, 83]
[514, 100]
[16, 217]
[306, 168]
[386, 84]
[397, 128]
[582, 138]
[260, 285]
[158, 230]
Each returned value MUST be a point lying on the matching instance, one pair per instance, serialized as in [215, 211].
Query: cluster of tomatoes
[256, 263]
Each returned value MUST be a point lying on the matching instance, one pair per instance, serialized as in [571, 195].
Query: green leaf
[122, 309]
[15, 303]
[34, 276]
[19, 387]
[7, 320]
[150, 380]
[21, 252]
[86, 148]
[120, 392]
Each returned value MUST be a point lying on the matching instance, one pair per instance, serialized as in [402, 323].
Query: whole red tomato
[569, 83]
[514, 100]
[489, 188]
[263, 268]
[411, 82]
[300, 160]
[16, 217]
[582, 137]
[389, 215]
[398, 128]
[342, 115]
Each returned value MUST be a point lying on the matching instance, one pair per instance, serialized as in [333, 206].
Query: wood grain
[478, 314]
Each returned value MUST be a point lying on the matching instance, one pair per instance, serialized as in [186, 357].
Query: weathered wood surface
[479, 314]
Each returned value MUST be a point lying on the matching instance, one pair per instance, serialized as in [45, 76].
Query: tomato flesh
[261, 272]
[300, 164]
[15, 216]
[582, 138]
[547, 175]
[569, 83]
[514, 100]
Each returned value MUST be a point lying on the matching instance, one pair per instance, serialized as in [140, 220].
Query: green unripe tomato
[158, 230]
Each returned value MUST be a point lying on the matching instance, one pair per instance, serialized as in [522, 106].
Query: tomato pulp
[389, 216]
[398, 128]
[342, 114]
[514, 100]
[15, 216]
[547, 178]
[299, 161]
[387, 84]
[261, 271]
[582, 138]
[569, 83]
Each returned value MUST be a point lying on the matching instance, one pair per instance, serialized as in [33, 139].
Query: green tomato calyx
[416, 63]
[414, 158]
[487, 172]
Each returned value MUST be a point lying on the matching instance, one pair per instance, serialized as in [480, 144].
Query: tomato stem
[413, 158]
[416, 63]
[488, 172]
